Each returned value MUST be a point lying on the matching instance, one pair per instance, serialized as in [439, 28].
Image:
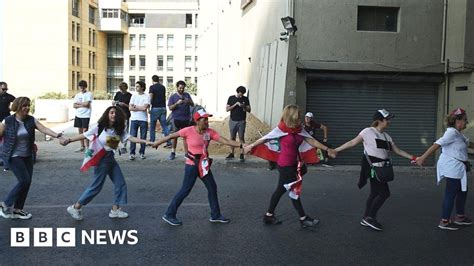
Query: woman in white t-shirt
[452, 165]
[377, 143]
[110, 131]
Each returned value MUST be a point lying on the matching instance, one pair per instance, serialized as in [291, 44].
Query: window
[196, 42]
[187, 80]
[169, 63]
[109, 13]
[90, 60]
[73, 31]
[132, 81]
[93, 60]
[142, 41]
[189, 20]
[196, 63]
[133, 41]
[141, 78]
[73, 56]
[160, 41]
[90, 36]
[170, 41]
[93, 38]
[196, 21]
[169, 81]
[89, 81]
[195, 81]
[78, 32]
[160, 79]
[78, 56]
[91, 15]
[160, 65]
[142, 62]
[75, 8]
[93, 81]
[78, 77]
[73, 80]
[188, 42]
[375, 18]
[137, 20]
[132, 63]
[187, 64]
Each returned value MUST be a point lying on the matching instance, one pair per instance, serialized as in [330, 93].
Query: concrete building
[101, 41]
[49, 45]
[345, 60]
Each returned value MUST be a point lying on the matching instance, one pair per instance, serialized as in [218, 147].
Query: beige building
[53, 53]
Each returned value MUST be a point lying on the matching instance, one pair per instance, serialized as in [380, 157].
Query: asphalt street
[410, 217]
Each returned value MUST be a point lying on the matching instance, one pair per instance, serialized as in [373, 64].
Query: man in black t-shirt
[158, 109]
[121, 100]
[5, 100]
[238, 105]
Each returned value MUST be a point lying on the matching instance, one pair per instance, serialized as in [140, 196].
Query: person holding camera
[179, 104]
[238, 105]
[452, 165]
[377, 144]
[121, 100]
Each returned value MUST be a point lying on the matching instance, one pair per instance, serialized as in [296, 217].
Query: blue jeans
[22, 167]
[106, 166]
[158, 113]
[190, 175]
[135, 125]
[453, 191]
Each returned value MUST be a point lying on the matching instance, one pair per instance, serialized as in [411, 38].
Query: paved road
[410, 218]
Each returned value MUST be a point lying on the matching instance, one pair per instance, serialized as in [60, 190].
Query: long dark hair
[119, 124]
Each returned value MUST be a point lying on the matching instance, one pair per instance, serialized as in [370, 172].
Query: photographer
[238, 105]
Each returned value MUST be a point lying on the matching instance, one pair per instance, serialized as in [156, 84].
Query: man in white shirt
[139, 104]
[82, 104]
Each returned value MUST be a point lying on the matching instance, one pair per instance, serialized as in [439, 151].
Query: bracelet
[413, 158]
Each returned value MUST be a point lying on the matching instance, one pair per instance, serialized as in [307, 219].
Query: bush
[53, 95]
[102, 95]
[191, 88]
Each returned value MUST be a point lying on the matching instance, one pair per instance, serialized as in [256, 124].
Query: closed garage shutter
[346, 107]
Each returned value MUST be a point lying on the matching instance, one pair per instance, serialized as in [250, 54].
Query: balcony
[113, 25]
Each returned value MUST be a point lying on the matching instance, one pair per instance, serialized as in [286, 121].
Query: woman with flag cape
[198, 164]
[290, 146]
[104, 139]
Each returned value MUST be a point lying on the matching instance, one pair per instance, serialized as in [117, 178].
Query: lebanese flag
[93, 154]
[270, 151]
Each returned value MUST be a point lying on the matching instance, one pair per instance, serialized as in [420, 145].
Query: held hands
[332, 153]
[419, 161]
[247, 148]
[64, 141]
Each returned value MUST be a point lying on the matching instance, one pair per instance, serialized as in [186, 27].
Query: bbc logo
[42, 237]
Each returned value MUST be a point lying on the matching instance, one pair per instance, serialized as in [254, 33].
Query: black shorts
[81, 122]
[180, 124]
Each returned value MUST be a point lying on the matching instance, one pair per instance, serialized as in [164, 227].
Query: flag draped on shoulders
[270, 150]
[93, 154]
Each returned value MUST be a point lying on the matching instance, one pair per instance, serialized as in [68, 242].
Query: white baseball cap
[309, 114]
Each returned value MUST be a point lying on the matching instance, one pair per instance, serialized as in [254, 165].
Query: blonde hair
[291, 116]
[20, 102]
[375, 123]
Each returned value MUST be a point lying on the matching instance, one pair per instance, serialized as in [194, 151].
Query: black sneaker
[463, 220]
[241, 159]
[270, 220]
[230, 156]
[308, 222]
[372, 223]
[447, 225]
[220, 219]
[21, 214]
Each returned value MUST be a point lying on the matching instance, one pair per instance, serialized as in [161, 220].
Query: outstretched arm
[139, 141]
[165, 139]
[249, 147]
[421, 160]
[402, 152]
[231, 143]
[66, 141]
[46, 130]
[350, 143]
[313, 142]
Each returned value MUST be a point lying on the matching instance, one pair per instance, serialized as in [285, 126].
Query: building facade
[345, 60]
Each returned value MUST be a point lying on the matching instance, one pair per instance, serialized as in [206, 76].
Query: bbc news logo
[66, 237]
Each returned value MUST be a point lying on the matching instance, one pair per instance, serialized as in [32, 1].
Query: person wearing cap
[311, 126]
[197, 165]
[5, 100]
[453, 166]
[377, 143]
[238, 105]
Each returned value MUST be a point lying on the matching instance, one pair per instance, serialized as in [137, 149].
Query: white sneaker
[131, 157]
[75, 213]
[118, 214]
[142, 156]
[5, 212]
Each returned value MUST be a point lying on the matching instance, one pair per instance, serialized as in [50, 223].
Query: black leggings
[287, 175]
[379, 192]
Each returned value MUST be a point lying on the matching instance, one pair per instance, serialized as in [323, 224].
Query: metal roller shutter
[346, 107]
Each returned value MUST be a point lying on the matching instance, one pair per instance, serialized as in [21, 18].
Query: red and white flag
[93, 154]
[270, 151]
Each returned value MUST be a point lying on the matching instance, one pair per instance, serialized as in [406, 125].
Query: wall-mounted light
[289, 25]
